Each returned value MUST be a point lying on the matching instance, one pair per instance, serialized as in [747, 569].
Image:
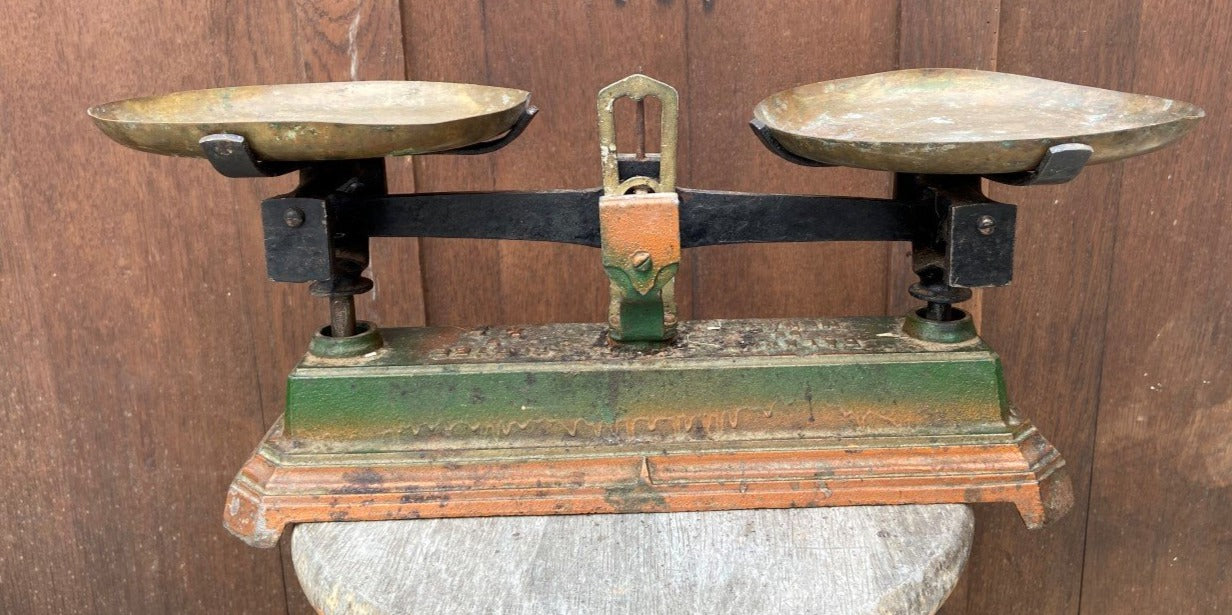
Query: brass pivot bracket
[639, 217]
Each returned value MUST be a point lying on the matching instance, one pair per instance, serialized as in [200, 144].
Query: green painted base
[720, 380]
[733, 414]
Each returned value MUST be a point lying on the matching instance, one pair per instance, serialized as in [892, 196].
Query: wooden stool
[852, 560]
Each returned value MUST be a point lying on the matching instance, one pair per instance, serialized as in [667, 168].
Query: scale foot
[1051, 495]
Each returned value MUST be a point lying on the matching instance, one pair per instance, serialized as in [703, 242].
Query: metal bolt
[341, 315]
[986, 225]
[293, 217]
[641, 261]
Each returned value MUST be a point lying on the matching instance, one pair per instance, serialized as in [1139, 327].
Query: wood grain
[1158, 536]
[563, 53]
[459, 280]
[738, 54]
[838, 561]
[1049, 324]
[150, 361]
[135, 390]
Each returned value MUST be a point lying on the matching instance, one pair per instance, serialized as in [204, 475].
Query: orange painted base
[283, 484]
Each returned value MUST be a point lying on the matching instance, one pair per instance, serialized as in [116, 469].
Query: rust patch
[366, 477]
[360, 481]
[639, 497]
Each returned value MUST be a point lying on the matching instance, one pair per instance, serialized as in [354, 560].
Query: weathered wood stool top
[875, 559]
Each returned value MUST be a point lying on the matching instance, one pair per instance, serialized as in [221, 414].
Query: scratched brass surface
[317, 121]
[965, 121]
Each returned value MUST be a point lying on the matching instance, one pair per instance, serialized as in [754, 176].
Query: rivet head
[641, 261]
[293, 217]
[986, 225]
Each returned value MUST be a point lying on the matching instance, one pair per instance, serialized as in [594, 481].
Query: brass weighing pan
[318, 121]
[956, 121]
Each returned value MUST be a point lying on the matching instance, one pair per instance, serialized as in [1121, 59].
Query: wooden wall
[144, 351]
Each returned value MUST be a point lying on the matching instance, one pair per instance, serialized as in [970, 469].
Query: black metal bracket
[306, 239]
[488, 147]
[1060, 164]
[233, 157]
[767, 139]
[966, 240]
[307, 234]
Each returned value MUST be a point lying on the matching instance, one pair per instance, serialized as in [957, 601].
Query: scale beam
[707, 217]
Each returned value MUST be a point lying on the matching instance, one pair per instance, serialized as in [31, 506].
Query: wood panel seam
[1098, 385]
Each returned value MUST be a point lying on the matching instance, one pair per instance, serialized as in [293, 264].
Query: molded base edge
[280, 486]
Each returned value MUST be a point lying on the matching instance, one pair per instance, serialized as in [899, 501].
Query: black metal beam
[707, 217]
[960, 238]
[711, 218]
[561, 216]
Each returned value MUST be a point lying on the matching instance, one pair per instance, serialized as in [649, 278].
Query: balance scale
[647, 413]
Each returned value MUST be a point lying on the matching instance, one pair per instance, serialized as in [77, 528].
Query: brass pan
[318, 121]
[943, 120]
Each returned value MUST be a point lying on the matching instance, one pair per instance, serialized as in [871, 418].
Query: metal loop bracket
[638, 87]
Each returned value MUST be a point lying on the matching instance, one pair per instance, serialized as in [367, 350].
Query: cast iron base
[278, 487]
[550, 419]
